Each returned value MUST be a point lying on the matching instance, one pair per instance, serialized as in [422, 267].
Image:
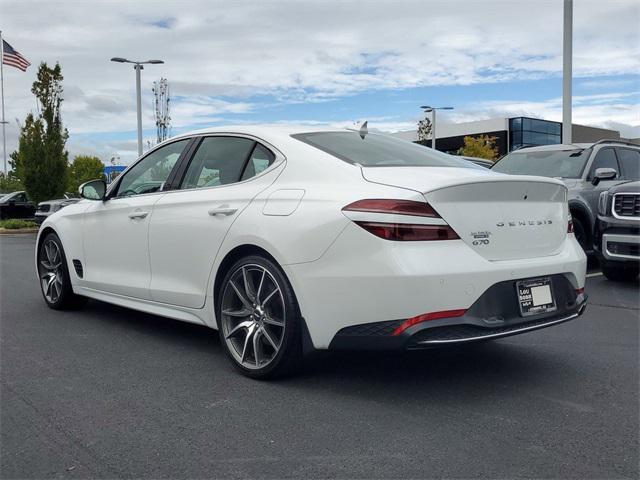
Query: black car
[16, 205]
[617, 231]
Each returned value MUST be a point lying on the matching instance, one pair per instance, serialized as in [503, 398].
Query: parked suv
[617, 234]
[586, 169]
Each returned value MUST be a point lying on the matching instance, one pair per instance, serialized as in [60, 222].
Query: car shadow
[496, 362]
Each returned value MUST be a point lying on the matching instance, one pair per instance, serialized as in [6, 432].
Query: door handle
[222, 210]
[135, 215]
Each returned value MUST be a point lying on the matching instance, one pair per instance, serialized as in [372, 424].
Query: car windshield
[5, 197]
[376, 150]
[547, 163]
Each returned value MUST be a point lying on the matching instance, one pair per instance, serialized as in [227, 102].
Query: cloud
[237, 60]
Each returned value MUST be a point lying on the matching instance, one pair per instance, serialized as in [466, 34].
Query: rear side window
[629, 163]
[376, 150]
[260, 160]
[218, 161]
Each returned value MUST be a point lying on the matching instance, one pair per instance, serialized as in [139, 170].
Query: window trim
[279, 158]
[115, 185]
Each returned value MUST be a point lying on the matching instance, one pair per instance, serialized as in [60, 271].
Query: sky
[320, 62]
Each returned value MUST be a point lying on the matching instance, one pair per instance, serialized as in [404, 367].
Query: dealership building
[510, 133]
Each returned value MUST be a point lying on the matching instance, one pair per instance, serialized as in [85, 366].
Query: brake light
[427, 317]
[409, 232]
[399, 231]
[399, 207]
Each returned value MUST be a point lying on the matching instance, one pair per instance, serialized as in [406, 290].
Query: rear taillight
[409, 232]
[398, 207]
[398, 230]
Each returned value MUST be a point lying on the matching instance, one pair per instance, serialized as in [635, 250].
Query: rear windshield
[377, 150]
[548, 163]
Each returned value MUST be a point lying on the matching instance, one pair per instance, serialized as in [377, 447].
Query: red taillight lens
[409, 232]
[426, 317]
[399, 207]
[570, 226]
[580, 291]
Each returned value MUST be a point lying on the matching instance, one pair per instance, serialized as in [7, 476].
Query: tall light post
[567, 54]
[428, 109]
[137, 66]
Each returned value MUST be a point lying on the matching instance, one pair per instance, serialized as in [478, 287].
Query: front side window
[218, 161]
[376, 150]
[150, 174]
[606, 158]
[547, 163]
[630, 163]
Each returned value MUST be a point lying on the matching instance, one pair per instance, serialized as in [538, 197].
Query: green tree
[482, 146]
[10, 183]
[41, 159]
[83, 169]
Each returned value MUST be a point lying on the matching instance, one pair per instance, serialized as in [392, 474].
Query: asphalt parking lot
[105, 392]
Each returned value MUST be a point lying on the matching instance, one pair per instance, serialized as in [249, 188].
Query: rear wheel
[53, 273]
[621, 272]
[259, 319]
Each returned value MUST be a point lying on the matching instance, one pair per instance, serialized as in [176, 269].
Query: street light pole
[428, 109]
[567, 54]
[137, 66]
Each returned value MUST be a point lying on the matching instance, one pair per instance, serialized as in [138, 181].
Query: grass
[15, 224]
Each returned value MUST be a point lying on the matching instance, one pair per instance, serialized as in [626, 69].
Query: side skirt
[161, 309]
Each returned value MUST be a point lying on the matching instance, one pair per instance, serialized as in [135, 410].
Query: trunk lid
[501, 217]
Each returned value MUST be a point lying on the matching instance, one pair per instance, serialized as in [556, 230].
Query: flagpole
[4, 123]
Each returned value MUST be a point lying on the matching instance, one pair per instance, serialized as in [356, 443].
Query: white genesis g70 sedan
[289, 240]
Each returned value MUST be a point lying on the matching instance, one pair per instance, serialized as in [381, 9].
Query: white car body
[161, 252]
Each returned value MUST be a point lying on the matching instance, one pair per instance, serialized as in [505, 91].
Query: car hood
[627, 187]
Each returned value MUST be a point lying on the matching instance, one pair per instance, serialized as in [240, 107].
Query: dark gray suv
[586, 169]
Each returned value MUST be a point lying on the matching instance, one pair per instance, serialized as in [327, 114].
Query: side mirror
[604, 174]
[93, 190]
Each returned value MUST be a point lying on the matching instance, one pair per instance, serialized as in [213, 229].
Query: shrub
[16, 223]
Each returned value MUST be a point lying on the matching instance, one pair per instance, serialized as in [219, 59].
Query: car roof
[555, 147]
[266, 130]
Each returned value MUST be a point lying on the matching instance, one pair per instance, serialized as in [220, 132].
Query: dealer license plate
[535, 296]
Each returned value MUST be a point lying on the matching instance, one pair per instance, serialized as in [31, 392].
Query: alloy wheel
[51, 271]
[253, 316]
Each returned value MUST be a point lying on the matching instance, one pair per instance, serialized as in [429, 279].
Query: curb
[21, 231]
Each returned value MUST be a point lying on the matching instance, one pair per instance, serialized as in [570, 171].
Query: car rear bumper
[494, 315]
[364, 280]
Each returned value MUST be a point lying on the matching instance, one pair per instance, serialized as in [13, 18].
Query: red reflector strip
[570, 226]
[409, 232]
[400, 207]
[580, 291]
[425, 317]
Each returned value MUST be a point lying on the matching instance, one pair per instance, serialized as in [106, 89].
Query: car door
[190, 223]
[605, 158]
[115, 231]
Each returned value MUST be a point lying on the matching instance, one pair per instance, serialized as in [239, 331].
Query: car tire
[581, 234]
[621, 272]
[55, 282]
[259, 320]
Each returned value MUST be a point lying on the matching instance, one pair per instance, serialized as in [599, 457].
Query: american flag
[13, 58]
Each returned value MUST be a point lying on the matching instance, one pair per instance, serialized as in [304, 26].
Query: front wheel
[259, 319]
[580, 232]
[53, 273]
[621, 272]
